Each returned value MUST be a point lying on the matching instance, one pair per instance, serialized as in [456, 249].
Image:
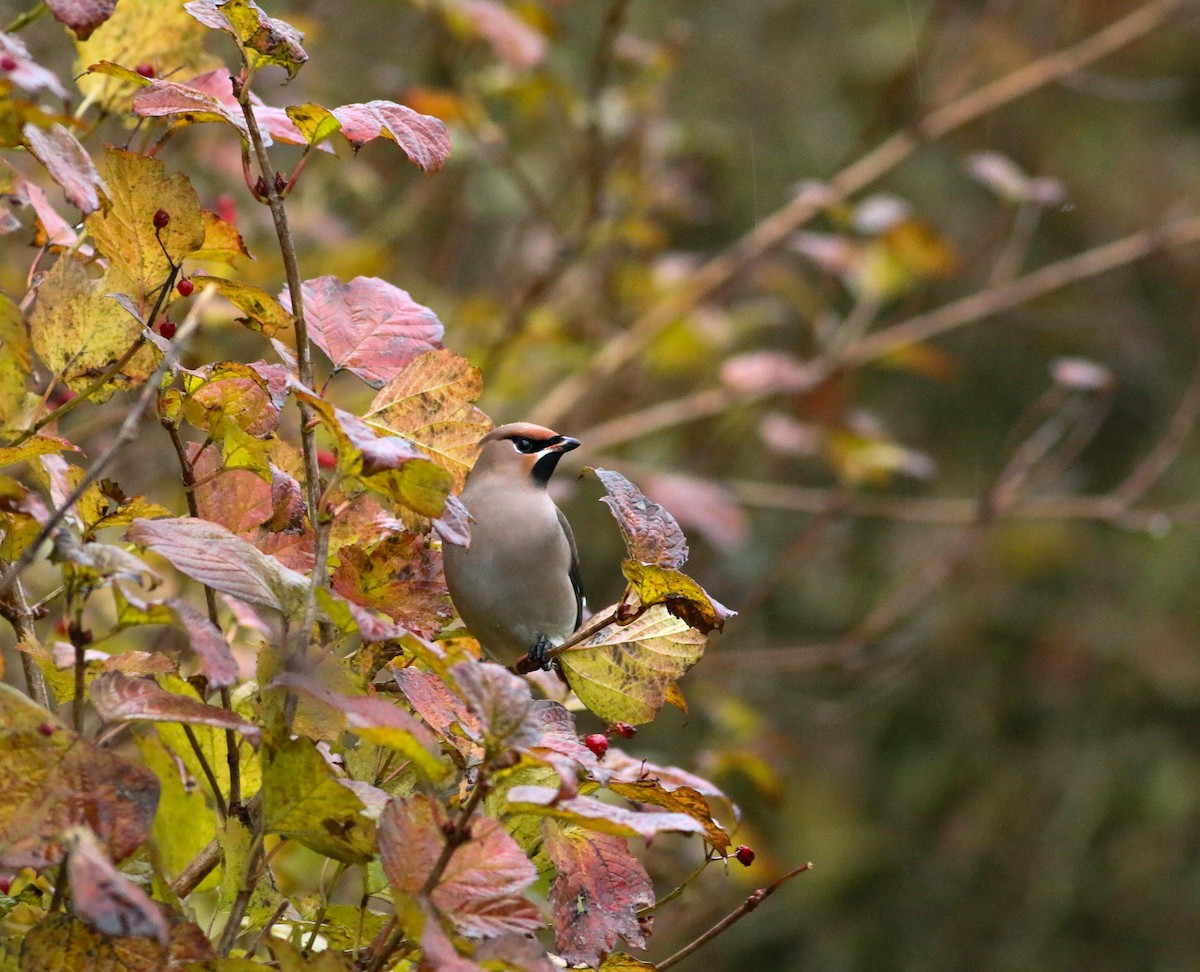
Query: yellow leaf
[14, 358]
[156, 32]
[431, 404]
[79, 331]
[126, 233]
[624, 673]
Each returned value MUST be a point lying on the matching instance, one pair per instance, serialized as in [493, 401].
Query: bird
[516, 586]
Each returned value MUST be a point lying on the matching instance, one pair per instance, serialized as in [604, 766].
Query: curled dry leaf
[596, 815]
[105, 898]
[118, 698]
[651, 533]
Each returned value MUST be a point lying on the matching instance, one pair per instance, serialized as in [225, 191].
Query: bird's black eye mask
[544, 468]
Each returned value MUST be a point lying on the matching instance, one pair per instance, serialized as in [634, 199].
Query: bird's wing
[573, 573]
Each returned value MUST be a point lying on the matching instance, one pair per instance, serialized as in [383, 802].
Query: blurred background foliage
[965, 680]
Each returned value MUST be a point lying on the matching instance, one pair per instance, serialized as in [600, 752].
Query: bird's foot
[538, 654]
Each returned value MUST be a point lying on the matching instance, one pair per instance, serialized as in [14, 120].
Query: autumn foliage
[281, 685]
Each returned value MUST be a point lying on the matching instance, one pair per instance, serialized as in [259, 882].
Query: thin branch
[232, 751]
[308, 442]
[968, 310]
[1159, 459]
[738, 913]
[206, 769]
[16, 611]
[125, 435]
[776, 228]
[993, 300]
[209, 857]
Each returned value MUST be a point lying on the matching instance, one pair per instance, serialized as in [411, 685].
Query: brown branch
[16, 611]
[1038, 283]
[738, 913]
[308, 441]
[993, 300]
[776, 228]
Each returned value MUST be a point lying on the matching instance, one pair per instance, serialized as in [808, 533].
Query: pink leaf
[68, 164]
[119, 698]
[423, 138]
[367, 326]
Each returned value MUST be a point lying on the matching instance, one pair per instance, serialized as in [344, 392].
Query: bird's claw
[539, 653]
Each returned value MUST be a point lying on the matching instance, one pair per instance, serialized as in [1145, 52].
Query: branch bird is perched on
[516, 586]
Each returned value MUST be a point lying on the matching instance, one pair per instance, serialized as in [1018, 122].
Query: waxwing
[516, 587]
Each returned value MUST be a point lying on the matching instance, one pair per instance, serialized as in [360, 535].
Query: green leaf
[304, 801]
[623, 673]
[315, 123]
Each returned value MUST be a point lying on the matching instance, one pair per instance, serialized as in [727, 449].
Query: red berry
[146, 70]
[161, 219]
[326, 459]
[167, 328]
[623, 729]
[185, 287]
[597, 742]
[744, 855]
[8, 63]
[5, 884]
[46, 729]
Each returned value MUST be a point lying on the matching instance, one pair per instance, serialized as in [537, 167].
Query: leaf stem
[738, 913]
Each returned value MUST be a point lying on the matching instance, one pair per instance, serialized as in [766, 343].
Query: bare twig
[993, 300]
[769, 233]
[1159, 459]
[209, 775]
[125, 435]
[16, 611]
[738, 913]
[968, 310]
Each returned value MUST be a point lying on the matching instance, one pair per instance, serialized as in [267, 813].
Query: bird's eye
[524, 444]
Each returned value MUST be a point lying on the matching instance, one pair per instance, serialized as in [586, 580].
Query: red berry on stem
[185, 287]
[8, 63]
[161, 219]
[744, 855]
[597, 742]
[167, 328]
[326, 459]
[5, 884]
[623, 729]
[146, 70]
[46, 729]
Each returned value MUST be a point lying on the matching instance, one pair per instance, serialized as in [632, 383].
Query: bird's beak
[565, 444]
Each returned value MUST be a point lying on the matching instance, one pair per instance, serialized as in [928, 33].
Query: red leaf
[423, 138]
[118, 698]
[82, 16]
[596, 895]
[480, 891]
[106, 899]
[442, 709]
[367, 326]
[501, 700]
[68, 164]
[210, 554]
[651, 534]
